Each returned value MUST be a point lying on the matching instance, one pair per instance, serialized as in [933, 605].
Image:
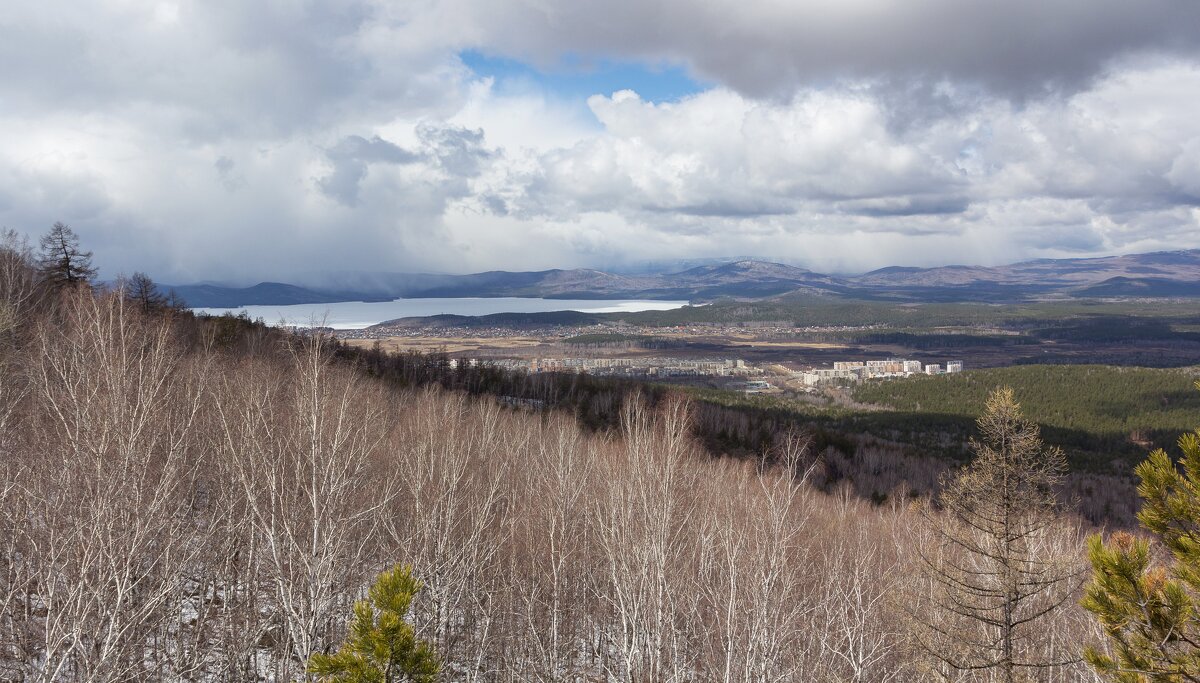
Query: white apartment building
[890, 366]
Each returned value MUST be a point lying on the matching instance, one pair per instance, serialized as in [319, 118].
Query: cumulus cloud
[831, 152]
[231, 141]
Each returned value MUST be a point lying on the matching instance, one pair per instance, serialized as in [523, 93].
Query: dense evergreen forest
[812, 310]
[1112, 405]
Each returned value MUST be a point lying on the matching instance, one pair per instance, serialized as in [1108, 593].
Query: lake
[355, 315]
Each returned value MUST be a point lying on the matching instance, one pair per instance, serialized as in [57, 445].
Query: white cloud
[1092, 172]
[226, 140]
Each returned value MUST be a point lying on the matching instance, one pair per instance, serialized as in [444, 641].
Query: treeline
[873, 469]
[1117, 329]
[619, 341]
[881, 456]
[811, 310]
[927, 340]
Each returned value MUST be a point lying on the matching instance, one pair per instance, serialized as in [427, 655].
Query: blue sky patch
[575, 78]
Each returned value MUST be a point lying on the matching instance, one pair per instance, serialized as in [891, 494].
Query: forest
[806, 310]
[1105, 416]
[1098, 399]
[205, 499]
[880, 446]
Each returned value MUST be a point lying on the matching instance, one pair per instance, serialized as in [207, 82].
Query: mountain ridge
[1154, 274]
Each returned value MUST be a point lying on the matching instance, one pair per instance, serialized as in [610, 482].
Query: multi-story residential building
[889, 366]
[836, 375]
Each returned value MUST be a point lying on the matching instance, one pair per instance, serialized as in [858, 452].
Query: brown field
[783, 344]
[799, 353]
[449, 344]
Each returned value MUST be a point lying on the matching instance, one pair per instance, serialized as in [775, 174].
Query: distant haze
[353, 315]
[237, 142]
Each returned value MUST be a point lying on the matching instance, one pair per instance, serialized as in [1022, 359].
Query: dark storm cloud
[1023, 47]
[728, 208]
[906, 206]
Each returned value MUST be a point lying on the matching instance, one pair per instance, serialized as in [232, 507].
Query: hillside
[1057, 275]
[268, 482]
[264, 293]
[270, 476]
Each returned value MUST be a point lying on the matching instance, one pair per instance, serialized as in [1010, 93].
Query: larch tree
[994, 571]
[63, 263]
[1149, 611]
[381, 646]
[142, 292]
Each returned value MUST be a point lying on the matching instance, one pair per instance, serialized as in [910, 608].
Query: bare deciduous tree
[640, 525]
[108, 531]
[305, 453]
[210, 512]
[143, 293]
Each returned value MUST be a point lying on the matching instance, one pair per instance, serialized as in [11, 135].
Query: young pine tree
[996, 571]
[1151, 613]
[381, 646]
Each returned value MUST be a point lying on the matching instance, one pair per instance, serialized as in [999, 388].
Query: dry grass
[756, 343]
[449, 344]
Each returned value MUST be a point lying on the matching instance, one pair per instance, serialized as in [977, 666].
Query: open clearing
[447, 344]
[784, 344]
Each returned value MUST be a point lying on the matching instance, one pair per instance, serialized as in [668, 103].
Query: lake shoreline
[357, 315]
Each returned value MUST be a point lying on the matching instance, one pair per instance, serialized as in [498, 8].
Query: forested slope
[184, 499]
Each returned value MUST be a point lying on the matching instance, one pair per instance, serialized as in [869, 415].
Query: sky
[233, 141]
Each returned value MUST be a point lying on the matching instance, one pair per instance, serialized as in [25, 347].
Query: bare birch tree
[551, 594]
[862, 638]
[639, 521]
[305, 456]
[448, 522]
[106, 495]
[755, 566]
[18, 283]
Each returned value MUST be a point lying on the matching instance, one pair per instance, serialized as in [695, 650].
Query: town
[855, 371]
[842, 372]
[629, 367]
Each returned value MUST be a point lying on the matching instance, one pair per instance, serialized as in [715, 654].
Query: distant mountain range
[1160, 274]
